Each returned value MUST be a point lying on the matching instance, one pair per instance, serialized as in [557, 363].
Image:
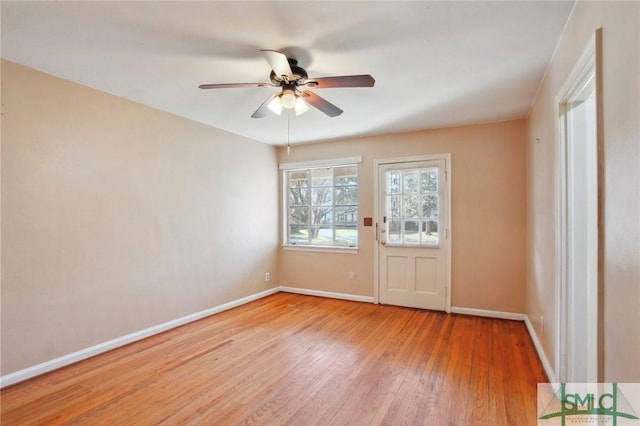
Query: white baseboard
[80, 355]
[329, 294]
[488, 313]
[543, 357]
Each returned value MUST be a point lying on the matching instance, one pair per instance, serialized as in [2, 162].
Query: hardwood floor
[299, 360]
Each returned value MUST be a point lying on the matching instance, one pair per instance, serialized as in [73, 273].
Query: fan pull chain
[288, 135]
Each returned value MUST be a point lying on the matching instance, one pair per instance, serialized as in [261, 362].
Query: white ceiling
[436, 64]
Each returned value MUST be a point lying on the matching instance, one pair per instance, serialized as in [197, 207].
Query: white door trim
[378, 162]
[584, 72]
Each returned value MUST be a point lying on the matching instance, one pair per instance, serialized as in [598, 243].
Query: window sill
[320, 249]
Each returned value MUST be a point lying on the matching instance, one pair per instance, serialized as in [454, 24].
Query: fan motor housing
[299, 73]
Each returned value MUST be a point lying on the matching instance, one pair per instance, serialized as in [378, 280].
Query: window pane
[322, 235]
[321, 215]
[322, 196]
[393, 182]
[347, 175]
[429, 206]
[429, 179]
[298, 196]
[299, 177]
[322, 177]
[394, 232]
[347, 236]
[411, 206]
[346, 195]
[299, 215]
[430, 232]
[298, 234]
[411, 232]
[298, 188]
[410, 181]
[394, 206]
[346, 216]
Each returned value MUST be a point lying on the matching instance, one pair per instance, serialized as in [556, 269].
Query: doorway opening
[577, 223]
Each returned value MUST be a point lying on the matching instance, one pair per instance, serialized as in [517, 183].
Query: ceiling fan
[294, 81]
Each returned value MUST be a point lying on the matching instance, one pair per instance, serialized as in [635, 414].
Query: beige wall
[620, 22]
[117, 217]
[488, 214]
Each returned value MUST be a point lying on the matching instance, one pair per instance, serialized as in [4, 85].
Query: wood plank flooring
[299, 360]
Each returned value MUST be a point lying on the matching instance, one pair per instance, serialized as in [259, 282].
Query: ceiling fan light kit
[286, 74]
[289, 100]
[275, 105]
[301, 107]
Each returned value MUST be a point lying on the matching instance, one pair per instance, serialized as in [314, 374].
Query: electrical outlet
[267, 277]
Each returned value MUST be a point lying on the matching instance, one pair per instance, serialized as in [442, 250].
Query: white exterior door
[413, 243]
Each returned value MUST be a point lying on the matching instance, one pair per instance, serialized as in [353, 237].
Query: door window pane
[411, 232]
[394, 234]
[429, 232]
[411, 182]
[430, 205]
[429, 179]
[393, 182]
[394, 206]
[412, 206]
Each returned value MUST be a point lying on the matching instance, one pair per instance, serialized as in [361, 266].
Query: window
[321, 206]
[412, 206]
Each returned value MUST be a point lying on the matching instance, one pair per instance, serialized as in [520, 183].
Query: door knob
[384, 243]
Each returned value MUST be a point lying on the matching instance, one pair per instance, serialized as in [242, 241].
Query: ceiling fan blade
[364, 80]
[320, 103]
[262, 109]
[279, 63]
[232, 85]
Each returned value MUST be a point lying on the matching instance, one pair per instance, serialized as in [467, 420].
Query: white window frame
[284, 168]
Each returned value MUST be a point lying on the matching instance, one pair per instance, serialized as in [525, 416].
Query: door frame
[587, 67]
[376, 219]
